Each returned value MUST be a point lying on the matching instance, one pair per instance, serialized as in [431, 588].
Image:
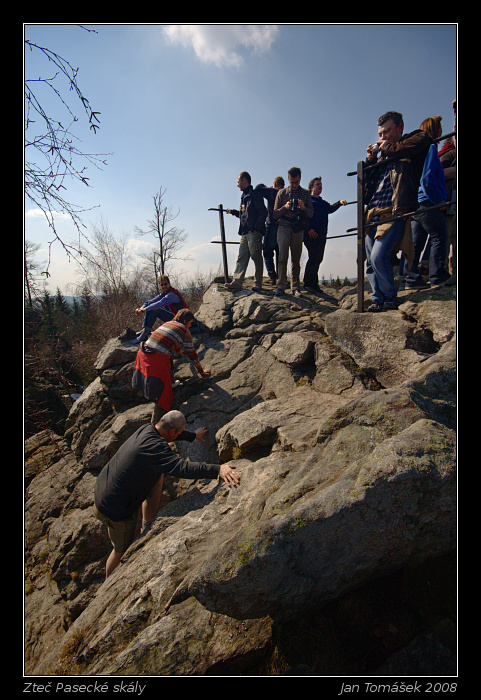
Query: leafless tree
[170, 238]
[106, 265]
[32, 267]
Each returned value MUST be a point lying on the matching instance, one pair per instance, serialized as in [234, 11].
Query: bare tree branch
[52, 154]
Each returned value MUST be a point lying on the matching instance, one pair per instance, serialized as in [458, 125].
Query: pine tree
[48, 329]
[87, 314]
[60, 304]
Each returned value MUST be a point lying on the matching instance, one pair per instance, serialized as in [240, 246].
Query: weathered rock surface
[342, 428]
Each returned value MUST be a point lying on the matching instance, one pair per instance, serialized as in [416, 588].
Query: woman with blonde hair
[433, 126]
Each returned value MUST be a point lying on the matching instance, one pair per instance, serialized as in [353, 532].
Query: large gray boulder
[347, 463]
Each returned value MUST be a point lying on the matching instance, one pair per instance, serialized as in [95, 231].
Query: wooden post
[222, 237]
[222, 241]
[360, 237]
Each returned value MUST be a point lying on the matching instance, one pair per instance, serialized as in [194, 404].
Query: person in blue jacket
[432, 224]
[316, 234]
[163, 307]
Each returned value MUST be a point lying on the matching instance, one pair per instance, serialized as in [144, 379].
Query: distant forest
[62, 340]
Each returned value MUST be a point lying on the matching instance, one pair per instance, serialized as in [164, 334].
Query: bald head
[171, 424]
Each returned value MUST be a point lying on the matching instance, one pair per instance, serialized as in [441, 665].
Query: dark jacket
[131, 474]
[253, 211]
[322, 209]
[406, 168]
[269, 194]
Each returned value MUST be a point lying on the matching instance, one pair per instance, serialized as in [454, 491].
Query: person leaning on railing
[429, 222]
[390, 190]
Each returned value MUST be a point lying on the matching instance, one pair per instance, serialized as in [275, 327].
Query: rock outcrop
[342, 428]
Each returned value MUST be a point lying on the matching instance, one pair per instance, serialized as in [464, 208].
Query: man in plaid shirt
[390, 190]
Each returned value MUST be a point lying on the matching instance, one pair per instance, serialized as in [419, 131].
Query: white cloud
[39, 213]
[140, 247]
[220, 43]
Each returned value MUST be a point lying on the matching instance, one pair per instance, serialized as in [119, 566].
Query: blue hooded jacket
[432, 186]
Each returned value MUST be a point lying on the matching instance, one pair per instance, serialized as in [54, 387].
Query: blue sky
[188, 107]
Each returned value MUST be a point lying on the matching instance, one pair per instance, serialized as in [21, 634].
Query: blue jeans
[378, 262]
[150, 317]
[432, 224]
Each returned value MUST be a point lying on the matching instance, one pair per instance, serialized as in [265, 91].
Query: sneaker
[256, 289]
[142, 336]
[232, 286]
[416, 285]
[297, 293]
[279, 293]
[128, 334]
[391, 305]
[375, 306]
[441, 283]
[146, 527]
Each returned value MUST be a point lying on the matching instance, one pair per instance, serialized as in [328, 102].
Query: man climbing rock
[131, 482]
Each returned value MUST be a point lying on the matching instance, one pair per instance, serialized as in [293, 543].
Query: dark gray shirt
[129, 477]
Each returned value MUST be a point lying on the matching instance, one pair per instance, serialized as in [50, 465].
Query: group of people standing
[406, 187]
[404, 173]
[293, 217]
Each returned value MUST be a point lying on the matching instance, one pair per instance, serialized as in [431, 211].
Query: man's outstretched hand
[228, 474]
[200, 432]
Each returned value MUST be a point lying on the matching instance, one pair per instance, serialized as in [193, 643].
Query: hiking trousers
[250, 247]
[288, 241]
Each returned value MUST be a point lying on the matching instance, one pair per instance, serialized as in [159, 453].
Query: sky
[186, 108]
